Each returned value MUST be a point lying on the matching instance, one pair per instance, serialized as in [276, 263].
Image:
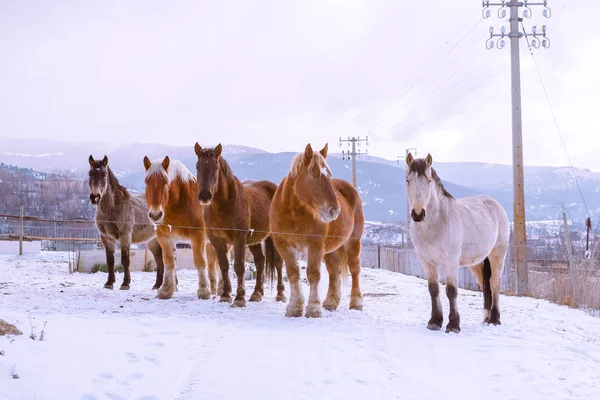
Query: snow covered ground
[103, 344]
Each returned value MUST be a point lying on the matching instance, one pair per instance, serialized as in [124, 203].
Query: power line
[405, 92]
[556, 121]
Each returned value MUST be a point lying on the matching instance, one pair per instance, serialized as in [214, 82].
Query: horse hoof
[239, 303]
[204, 294]
[293, 312]
[330, 304]
[434, 324]
[108, 286]
[255, 297]
[281, 297]
[494, 317]
[225, 299]
[356, 304]
[164, 294]
[452, 327]
[124, 287]
[313, 311]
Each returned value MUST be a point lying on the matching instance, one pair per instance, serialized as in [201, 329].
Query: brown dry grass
[557, 286]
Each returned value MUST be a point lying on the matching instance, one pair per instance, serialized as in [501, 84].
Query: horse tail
[487, 291]
[344, 268]
[270, 255]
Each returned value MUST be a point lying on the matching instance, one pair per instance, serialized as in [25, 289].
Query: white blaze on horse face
[324, 171]
[418, 191]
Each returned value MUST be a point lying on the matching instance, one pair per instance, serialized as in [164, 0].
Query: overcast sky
[279, 74]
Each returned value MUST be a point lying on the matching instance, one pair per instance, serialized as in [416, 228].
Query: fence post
[570, 253]
[21, 230]
[378, 257]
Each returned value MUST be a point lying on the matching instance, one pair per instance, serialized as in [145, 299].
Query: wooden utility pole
[520, 237]
[21, 230]
[347, 154]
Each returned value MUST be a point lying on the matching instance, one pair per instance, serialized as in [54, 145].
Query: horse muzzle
[205, 198]
[95, 199]
[156, 217]
[330, 214]
[417, 217]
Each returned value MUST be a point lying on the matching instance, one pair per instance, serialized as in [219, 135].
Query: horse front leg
[169, 285]
[289, 256]
[109, 248]
[221, 250]
[125, 243]
[239, 266]
[452, 293]
[198, 243]
[437, 316]
[313, 272]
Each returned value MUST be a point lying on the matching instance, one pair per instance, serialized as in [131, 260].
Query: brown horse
[172, 206]
[324, 216]
[120, 217]
[237, 214]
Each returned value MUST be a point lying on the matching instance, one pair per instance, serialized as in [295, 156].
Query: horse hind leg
[156, 251]
[259, 262]
[497, 258]
[212, 260]
[280, 286]
[125, 243]
[482, 273]
[351, 264]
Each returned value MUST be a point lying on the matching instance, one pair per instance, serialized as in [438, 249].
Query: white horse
[468, 232]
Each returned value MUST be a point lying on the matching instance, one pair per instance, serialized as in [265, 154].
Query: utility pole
[520, 237]
[407, 205]
[346, 155]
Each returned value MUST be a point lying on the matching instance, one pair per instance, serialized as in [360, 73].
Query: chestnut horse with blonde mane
[237, 214]
[313, 212]
[171, 192]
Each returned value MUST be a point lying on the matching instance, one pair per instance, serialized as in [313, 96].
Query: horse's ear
[147, 163]
[91, 160]
[198, 149]
[324, 150]
[218, 150]
[409, 159]
[308, 152]
[429, 159]
[165, 163]
[105, 161]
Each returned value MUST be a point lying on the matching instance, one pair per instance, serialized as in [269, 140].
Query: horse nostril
[205, 196]
[155, 217]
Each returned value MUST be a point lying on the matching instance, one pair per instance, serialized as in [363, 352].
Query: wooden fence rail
[405, 262]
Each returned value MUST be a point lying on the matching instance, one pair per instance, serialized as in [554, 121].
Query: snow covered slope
[103, 344]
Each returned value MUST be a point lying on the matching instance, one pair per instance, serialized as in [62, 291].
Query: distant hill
[549, 190]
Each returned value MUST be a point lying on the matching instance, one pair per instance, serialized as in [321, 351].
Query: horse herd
[309, 211]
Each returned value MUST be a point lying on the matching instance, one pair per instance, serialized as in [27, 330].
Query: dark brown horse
[313, 212]
[237, 214]
[121, 217]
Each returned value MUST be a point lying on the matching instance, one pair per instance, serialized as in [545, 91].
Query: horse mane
[176, 169]
[419, 166]
[298, 162]
[226, 169]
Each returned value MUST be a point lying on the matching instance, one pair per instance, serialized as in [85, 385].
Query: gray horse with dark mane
[121, 217]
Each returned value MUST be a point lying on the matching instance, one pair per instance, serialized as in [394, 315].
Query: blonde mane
[176, 170]
[298, 163]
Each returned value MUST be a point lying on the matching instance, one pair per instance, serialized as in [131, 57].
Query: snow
[102, 344]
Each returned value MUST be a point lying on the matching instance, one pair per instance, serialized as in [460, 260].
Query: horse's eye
[429, 181]
[407, 182]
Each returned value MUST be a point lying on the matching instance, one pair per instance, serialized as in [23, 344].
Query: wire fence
[553, 275]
